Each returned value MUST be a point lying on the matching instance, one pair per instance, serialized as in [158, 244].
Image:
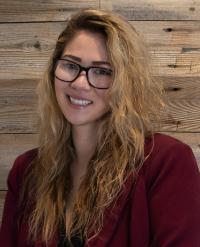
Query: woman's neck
[84, 140]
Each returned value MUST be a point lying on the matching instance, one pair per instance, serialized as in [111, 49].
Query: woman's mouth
[79, 102]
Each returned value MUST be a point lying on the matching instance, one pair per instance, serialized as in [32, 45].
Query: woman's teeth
[79, 101]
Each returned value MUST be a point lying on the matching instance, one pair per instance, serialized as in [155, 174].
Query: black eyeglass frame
[81, 68]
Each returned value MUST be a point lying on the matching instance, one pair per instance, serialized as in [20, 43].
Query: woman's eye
[69, 66]
[105, 72]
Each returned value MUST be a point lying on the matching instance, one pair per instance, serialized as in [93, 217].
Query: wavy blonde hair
[136, 98]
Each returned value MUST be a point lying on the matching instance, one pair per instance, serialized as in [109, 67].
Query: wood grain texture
[174, 46]
[181, 87]
[36, 11]
[184, 34]
[154, 9]
[26, 47]
[181, 115]
[172, 61]
[18, 106]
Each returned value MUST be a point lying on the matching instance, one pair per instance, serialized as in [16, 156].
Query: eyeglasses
[68, 71]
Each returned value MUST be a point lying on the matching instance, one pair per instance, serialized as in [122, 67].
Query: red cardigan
[162, 211]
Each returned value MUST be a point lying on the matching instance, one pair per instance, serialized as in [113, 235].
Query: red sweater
[162, 211]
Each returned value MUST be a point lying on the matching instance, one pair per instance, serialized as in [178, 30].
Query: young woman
[101, 175]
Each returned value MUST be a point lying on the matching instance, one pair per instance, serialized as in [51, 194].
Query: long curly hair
[136, 98]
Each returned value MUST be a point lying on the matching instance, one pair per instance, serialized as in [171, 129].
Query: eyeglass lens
[68, 71]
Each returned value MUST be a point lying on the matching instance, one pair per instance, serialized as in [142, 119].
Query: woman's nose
[81, 82]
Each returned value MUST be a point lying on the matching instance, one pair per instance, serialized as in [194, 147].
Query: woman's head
[133, 86]
[132, 100]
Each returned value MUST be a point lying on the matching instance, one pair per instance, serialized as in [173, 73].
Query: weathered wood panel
[18, 104]
[182, 87]
[184, 34]
[57, 10]
[26, 47]
[154, 9]
[172, 61]
[34, 11]
[181, 115]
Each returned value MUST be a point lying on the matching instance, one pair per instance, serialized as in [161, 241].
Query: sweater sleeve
[8, 232]
[9, 228]
[174, 198]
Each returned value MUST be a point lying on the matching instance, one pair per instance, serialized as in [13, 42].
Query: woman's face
[81, 103]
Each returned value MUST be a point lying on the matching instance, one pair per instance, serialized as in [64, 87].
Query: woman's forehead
[86, 45]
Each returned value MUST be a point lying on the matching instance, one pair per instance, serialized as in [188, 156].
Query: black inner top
[64, 242]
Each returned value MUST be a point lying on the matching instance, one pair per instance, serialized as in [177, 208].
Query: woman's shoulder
[166, 156]
[160, 145]
[20, 164]
[160, 141]
[25, 159]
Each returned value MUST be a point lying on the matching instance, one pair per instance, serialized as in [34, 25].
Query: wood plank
[154, 9]
[181, 115]
[172, 62]
[58, 10]
[11, 145]
[34, 11]
[174, 46]
[181, 87]
[18, 112]
[184, 34]
[26, 47]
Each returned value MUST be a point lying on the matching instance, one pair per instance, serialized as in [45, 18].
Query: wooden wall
[28, 30]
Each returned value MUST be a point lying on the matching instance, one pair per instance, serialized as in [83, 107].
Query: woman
[101, 176]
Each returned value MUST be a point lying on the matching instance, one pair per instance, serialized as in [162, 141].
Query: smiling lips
[80, 102]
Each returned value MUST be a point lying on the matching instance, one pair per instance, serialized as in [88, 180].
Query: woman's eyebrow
[78, 59]
[100, 62]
